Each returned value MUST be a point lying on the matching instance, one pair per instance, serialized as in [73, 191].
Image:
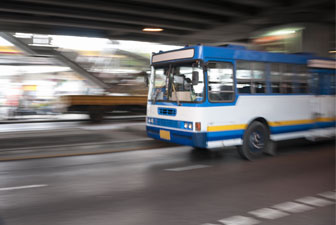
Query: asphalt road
[45, 140]
[175, 185]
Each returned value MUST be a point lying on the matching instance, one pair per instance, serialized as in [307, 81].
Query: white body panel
[273, 108]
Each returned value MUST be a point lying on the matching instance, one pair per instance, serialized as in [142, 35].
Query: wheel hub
[256, 141]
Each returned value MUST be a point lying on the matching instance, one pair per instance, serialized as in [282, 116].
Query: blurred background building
[312, 38]
[30, 86]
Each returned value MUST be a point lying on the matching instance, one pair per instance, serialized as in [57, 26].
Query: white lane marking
[178, 169]
[239, 220]
[292, 207]
[328, 194]
[285, 207]
[23, 187]
[267, 213]
[309, 200]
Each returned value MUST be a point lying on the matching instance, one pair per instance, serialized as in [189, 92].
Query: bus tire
[256, 141]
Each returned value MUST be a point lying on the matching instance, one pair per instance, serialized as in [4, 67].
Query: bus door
[323, 104]
[315, 101]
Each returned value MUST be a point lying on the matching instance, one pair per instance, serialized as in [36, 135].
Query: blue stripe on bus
[291, 128]
[224, 135]
[325, 124]
[301, 127]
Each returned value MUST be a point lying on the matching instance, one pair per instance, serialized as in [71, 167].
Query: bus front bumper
[194, 139]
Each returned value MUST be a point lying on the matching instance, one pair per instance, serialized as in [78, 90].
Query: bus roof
[230, 52]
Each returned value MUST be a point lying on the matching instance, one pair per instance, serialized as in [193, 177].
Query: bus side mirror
[195, 78]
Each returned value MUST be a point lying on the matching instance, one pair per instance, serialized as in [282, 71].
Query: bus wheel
[256, 141]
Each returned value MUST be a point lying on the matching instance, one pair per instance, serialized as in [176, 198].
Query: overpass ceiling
[183, 21]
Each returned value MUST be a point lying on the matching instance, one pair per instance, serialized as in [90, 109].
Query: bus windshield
[174, 83]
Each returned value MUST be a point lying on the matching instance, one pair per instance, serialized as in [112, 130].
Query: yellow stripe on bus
[227, 127]
[272, 124]
[298, 122]
[290, 122]
[325, 119]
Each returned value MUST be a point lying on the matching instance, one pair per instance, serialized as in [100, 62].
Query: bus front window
[173, 83]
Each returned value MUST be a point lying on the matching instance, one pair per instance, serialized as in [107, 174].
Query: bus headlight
[150, 120]
[188, 125]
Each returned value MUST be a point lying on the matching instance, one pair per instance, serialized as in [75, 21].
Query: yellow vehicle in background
[125, 95]
[97, 106]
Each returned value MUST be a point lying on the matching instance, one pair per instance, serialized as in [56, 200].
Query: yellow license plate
[164, 134]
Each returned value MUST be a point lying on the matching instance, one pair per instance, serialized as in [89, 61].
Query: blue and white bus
[210, 97]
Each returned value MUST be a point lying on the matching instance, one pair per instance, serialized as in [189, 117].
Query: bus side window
[244, 77]
[314, 83]
[220, 82]
[275, 77]
[259, 81]
[323, 84]
[286, 86]
[303, 78]
[332, 84]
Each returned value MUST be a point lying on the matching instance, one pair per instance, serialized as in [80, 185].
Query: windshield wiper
[156, 94]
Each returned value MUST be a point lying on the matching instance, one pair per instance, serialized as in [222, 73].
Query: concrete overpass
[187, 21]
